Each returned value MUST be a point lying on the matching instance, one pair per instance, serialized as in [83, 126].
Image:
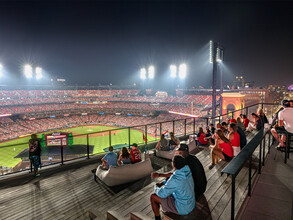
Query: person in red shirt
[135, 154]
[234, 138]
[245, 121]
[201, 137]
[222, 148]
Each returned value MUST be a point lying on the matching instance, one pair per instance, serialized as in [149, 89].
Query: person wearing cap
[285, 124]
[197, 170]
[176, 195]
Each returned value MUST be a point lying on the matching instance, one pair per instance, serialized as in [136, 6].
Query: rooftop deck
[71, 192]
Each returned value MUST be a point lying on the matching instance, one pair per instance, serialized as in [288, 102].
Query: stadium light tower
[151, 72]
[28, 71]
[173, 70]
[182, 70]
[216, 56]
[39, 74]
[143, 73]
[1, 67]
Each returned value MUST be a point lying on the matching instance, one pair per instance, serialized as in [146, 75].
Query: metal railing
[262, 139]
[93, 143]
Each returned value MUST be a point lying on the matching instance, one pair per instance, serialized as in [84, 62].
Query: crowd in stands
[10, 129]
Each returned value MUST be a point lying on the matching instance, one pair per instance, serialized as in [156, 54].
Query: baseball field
[97, 137]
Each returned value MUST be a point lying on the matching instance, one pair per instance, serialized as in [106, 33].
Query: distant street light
[28, 71]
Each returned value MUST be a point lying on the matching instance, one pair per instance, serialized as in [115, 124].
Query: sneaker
[211, 166]
[36, 175]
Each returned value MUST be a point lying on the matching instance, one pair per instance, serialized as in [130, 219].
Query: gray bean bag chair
[125, 174]
[170, 154]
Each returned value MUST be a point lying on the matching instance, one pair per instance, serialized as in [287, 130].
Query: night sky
[92, 42]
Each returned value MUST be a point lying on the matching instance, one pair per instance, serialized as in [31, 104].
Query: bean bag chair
[125, 174]
[170, 154]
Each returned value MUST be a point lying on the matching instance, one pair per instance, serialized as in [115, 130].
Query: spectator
[176, 195]
[201, 137]
[285, 124]
[124, 157]
[197, 170]
[174, 142]
[245, 121]
[222, 148]
[110, 159]
[135, 154]
[234, 138]
[35, 153]
[262, 116]
[256, 125]
[212, 128]
[163, 144]
[239, 123]
[224, 128]
[209, 135]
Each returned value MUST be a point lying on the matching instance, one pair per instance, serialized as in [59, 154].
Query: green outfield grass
[99, 141]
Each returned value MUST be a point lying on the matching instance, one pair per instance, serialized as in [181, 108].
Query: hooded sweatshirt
[180, 185]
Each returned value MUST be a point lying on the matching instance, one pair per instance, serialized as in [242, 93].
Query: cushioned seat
[125, 173]
[169, 154]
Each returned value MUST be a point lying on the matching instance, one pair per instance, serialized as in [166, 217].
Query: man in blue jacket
[177, 194]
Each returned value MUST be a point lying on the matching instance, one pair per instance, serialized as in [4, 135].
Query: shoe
[211, 166]
[36, 175]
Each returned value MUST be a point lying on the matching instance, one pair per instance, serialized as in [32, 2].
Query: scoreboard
[57, 139]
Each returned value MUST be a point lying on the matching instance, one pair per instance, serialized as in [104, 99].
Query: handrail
[236, 165]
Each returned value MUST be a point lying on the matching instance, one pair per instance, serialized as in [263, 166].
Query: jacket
[180, 185]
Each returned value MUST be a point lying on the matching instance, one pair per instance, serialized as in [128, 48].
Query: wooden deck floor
[71, 193]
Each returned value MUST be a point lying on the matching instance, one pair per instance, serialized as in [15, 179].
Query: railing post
[249, 177]
[62, 153]
[128, 137]
[269, 146]
[208, 122]
[185, 127]
[193, 125]
[246, 111]
[173, 126]
[110, 142]
[264, 150]
[146, 135]
[87, 146]
[233, 198]
[259, 159]
[160, 129]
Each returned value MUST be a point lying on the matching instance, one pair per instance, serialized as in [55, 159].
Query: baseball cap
[286, 103]
[183, 147]
[233, 121]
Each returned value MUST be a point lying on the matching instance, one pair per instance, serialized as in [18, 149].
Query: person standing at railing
[285, 124]
[35, 153]
[222, 149]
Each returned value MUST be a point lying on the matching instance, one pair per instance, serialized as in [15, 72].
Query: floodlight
[151, 72]
[28, 71]
[211, 51]
[182, 71]
[173, 70]
[39, 73]
[143, 73]
[1, 67]
[220, 54]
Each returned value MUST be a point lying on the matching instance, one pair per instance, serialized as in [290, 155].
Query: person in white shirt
[285, 124]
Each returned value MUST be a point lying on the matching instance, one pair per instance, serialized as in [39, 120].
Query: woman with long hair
[124, 157]
[201, 137]
[174, 142]
[222, 148]
[234, 138]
